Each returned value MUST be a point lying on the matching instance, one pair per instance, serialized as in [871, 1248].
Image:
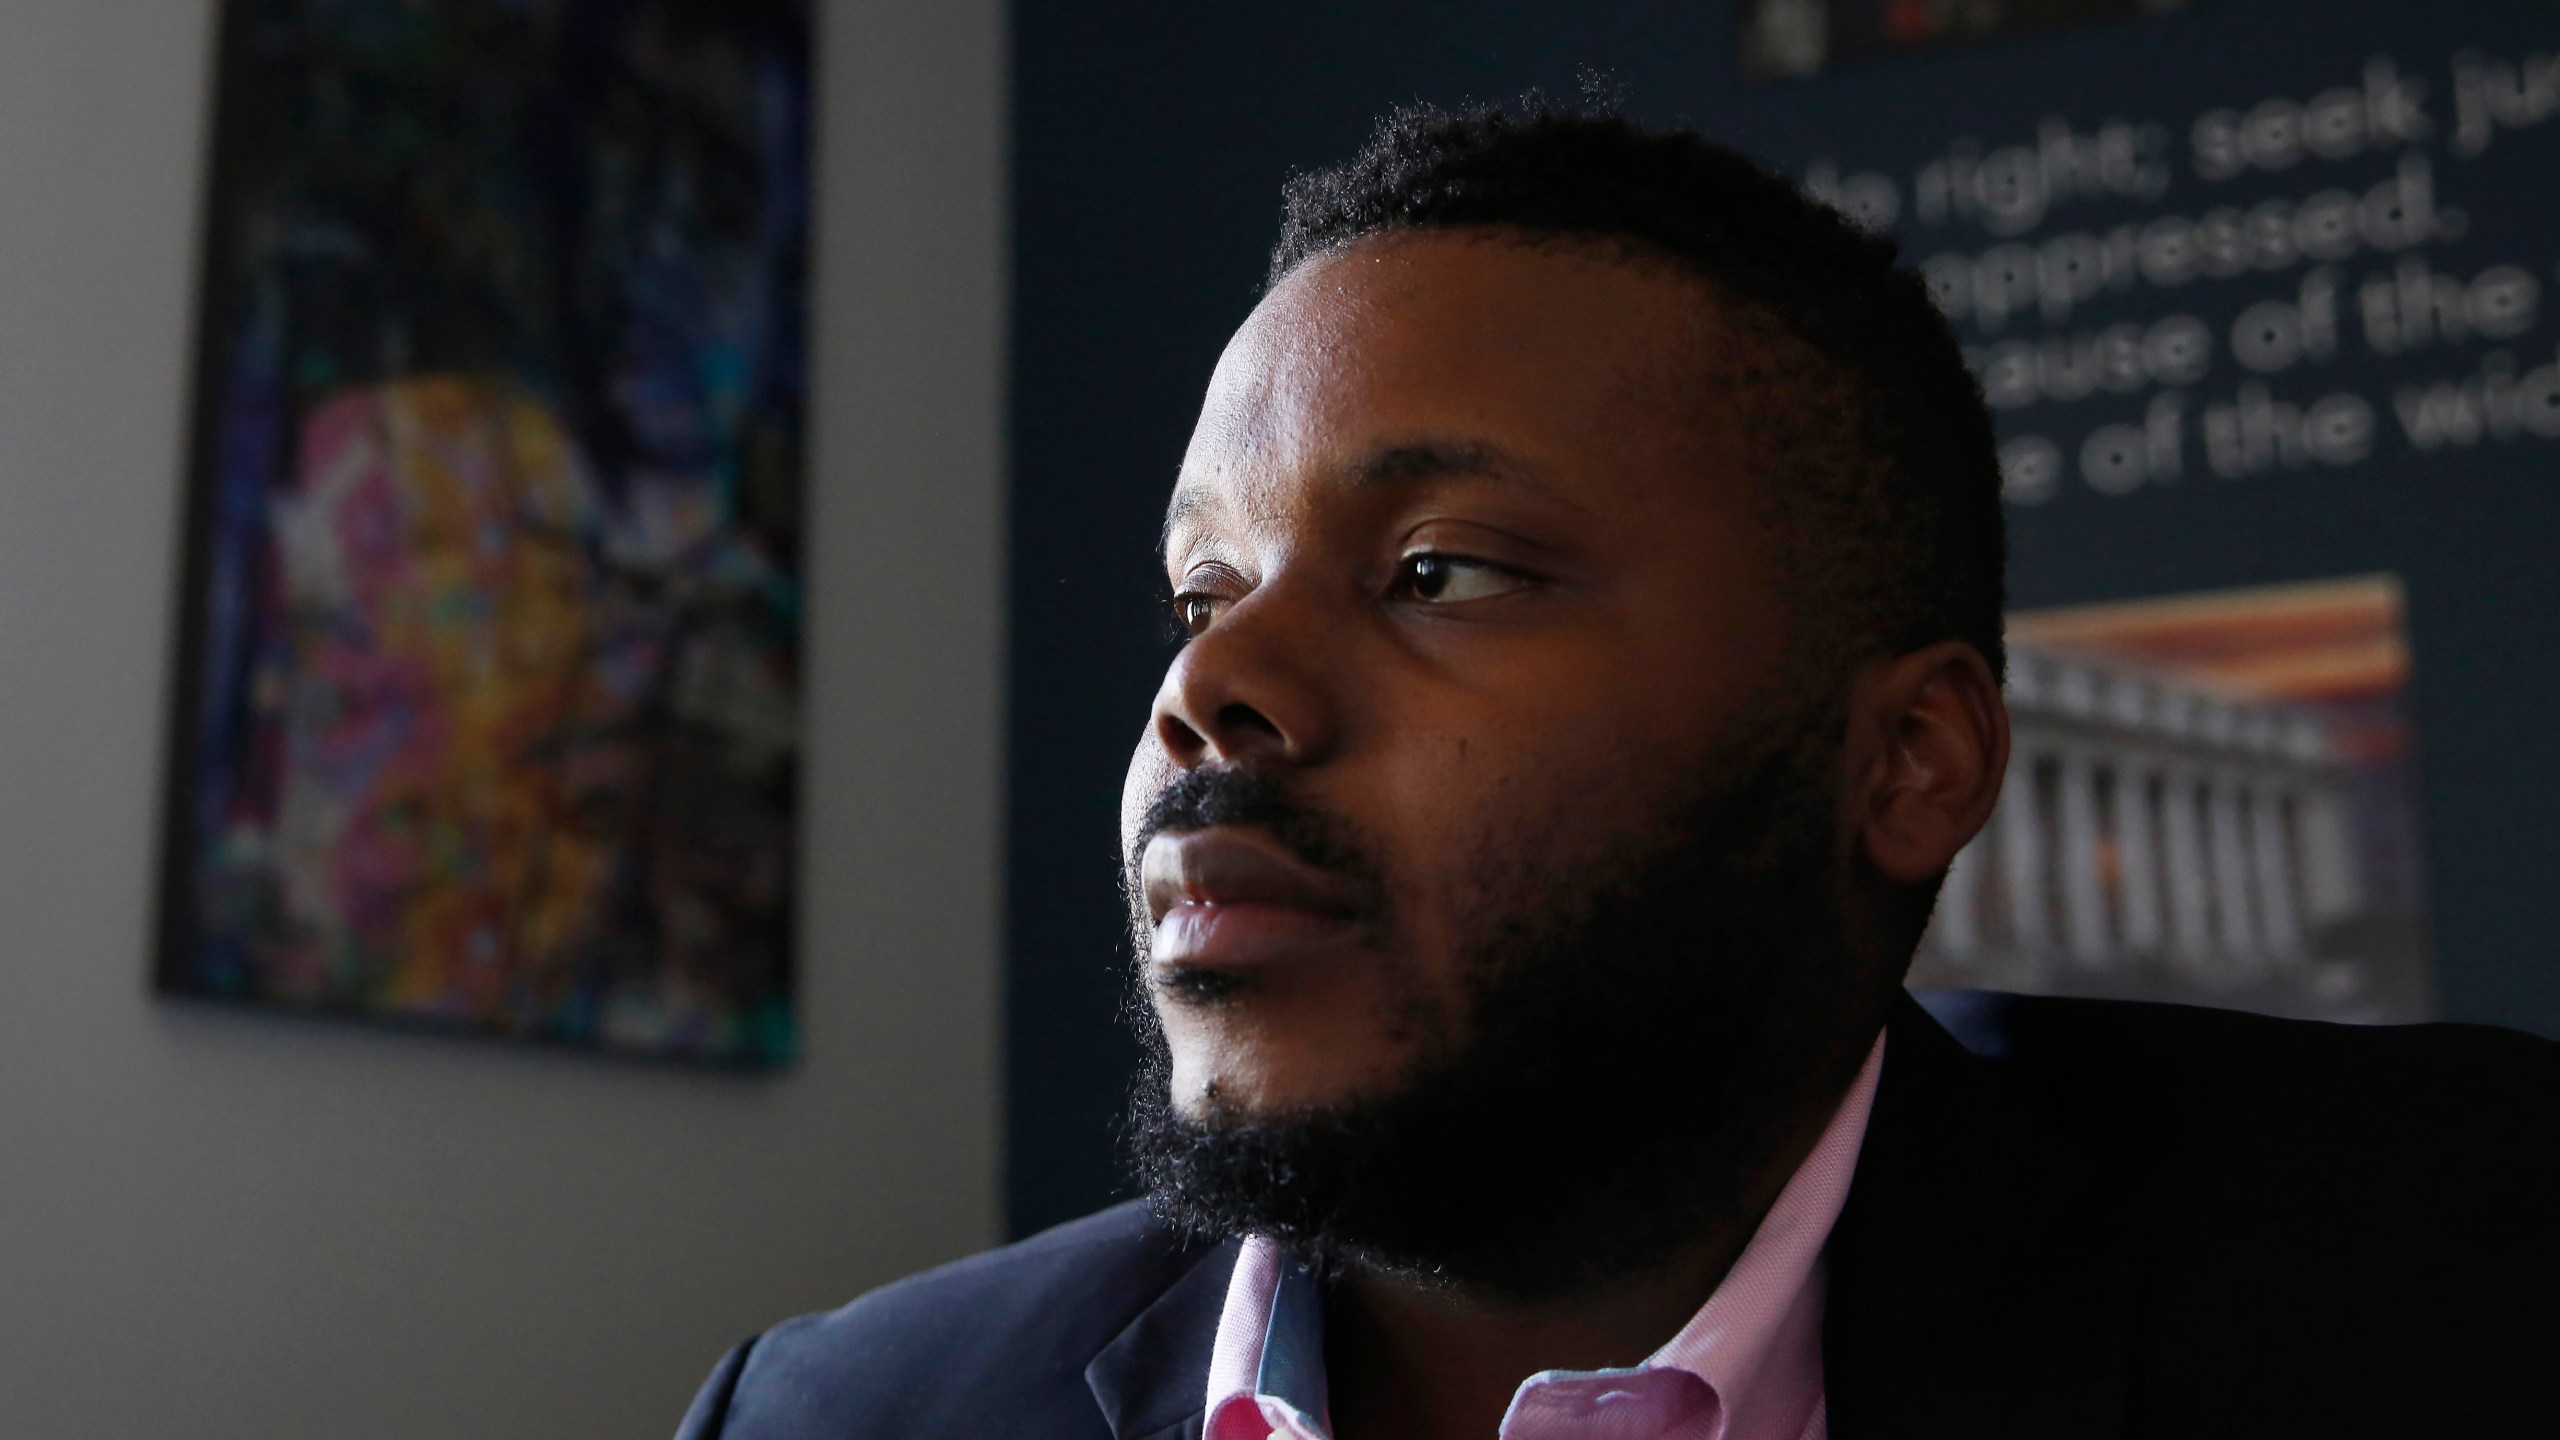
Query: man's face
[1467, 547]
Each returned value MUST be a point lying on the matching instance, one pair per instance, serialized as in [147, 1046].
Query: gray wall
[216, 1224]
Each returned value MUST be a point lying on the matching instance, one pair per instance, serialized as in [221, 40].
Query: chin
[1256, 1094]
[1260, 1056]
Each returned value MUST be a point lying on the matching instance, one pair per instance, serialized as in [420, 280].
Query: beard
[1640, 1039]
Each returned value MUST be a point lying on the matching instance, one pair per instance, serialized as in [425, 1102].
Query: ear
[1928, 742]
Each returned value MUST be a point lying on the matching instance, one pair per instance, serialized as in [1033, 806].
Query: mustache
[1215, 797]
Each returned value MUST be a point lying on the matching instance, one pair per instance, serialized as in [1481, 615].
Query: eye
[1202, 594]
[1194, 612]
[1447, 579]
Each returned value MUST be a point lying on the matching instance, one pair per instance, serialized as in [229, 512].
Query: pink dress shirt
[1747, 1366]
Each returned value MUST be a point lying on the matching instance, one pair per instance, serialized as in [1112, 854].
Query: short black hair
[1890, 523]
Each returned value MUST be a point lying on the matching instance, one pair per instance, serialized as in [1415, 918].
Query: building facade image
[2163, 836]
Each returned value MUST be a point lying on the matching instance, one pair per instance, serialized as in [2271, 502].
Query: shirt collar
[1756, 1343]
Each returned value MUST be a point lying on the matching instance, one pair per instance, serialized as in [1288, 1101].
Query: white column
[2022, 857]
[2236, 928]
[2084, 901]
[2183, 833]
[2331, 888]
[2137, 859]
[2271, 845]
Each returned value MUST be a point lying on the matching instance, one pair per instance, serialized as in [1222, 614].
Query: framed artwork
[1790, 38]
[486, 713]
[2211, 799]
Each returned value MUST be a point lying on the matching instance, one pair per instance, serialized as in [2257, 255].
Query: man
[1590, 556]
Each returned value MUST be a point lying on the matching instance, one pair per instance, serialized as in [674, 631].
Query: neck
[1423, 1359]
[1423, 1362]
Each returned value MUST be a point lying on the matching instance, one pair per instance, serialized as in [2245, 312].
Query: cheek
[1476, 820]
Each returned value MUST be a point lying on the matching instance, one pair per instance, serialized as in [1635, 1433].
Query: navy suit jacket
[2070, 1219]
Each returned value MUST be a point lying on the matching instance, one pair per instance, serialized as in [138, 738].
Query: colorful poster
[488, 694]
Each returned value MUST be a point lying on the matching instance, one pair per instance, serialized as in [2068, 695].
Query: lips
[1235, 899]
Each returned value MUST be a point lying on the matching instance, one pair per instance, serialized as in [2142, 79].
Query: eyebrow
[1411, 462]
[1441, 459]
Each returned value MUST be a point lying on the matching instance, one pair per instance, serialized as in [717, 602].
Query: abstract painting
[487, 707]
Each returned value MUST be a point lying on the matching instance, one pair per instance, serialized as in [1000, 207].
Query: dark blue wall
[1150, 143]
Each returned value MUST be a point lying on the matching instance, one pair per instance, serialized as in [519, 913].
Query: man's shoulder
[956, 1348]
[2280, 1206]
[2152, 1075]
[2218, 1101]
[1076, 1269]
[2304, 1191]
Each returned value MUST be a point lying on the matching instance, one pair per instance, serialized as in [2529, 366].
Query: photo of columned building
[2204, 803]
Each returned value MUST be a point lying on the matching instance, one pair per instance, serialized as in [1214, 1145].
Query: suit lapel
[1979, 1285]
[1152, 1380]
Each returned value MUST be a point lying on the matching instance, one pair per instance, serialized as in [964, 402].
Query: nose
[1252, 687]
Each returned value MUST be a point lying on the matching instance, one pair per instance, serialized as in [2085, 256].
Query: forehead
[1562, 364]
